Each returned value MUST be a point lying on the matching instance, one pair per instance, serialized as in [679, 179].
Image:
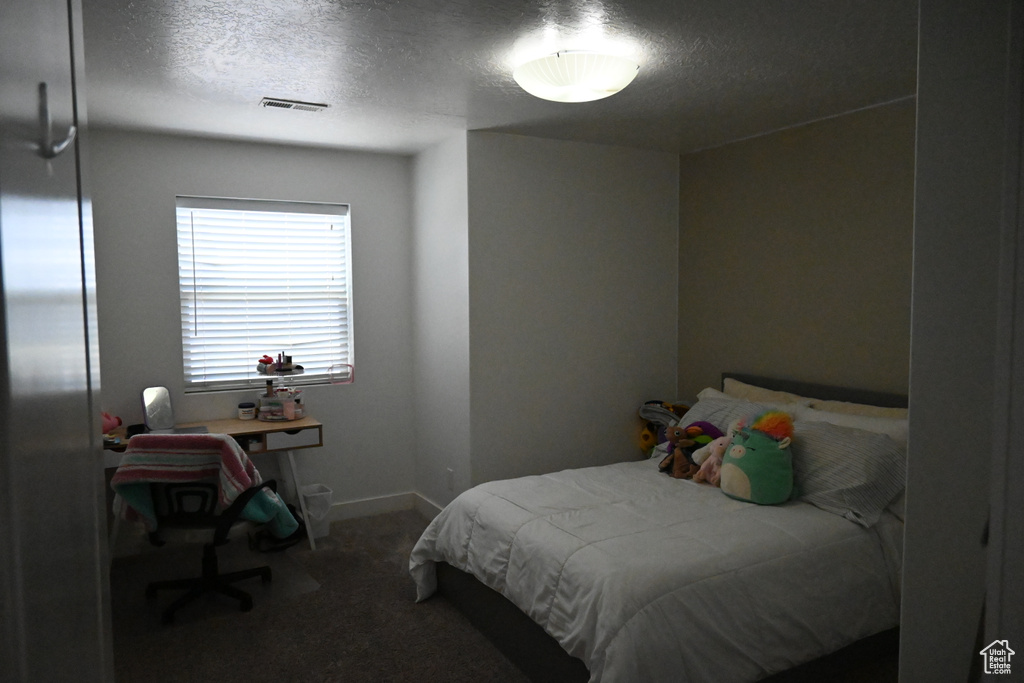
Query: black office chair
[193, 506]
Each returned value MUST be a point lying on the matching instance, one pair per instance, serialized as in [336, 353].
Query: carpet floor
[344, 613]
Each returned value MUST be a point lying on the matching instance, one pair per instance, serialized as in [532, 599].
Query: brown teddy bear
[677, 463]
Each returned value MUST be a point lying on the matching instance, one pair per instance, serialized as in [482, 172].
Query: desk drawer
[304, 438]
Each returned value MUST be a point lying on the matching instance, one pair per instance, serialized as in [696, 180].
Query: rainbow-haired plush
[775, 424]
[757, 466]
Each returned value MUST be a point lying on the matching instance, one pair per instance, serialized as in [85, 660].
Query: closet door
[54, 622]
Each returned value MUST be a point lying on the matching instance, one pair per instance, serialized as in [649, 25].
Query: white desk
[255, 437]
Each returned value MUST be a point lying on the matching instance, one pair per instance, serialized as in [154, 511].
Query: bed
[637, 576]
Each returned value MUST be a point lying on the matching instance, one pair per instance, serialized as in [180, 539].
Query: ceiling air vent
[277, 103]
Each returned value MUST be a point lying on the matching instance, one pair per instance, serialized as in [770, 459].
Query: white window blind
[262, 277]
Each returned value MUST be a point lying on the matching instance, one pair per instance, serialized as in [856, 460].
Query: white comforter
[649, 578]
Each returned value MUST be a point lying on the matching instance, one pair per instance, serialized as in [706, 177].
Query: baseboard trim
[367, 507]
[426, 507]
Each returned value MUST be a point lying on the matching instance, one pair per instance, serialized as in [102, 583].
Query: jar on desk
[276, 410]
[284, 405]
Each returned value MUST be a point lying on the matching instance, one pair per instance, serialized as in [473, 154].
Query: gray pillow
[722, 411]
[850, 472]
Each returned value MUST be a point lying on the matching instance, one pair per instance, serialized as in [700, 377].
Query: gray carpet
[345, 612]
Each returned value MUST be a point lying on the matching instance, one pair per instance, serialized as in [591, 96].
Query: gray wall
[514, 299]
[795, 254]
[957, 348]
[135, 179]
[572, 261]
[441, 315]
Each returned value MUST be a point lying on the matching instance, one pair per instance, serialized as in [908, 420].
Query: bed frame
[825, 392]
[543, 660]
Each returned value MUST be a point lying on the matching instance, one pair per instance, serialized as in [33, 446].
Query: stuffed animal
[757, 466]
[710, 461]
[109, 422]
[702, 432]
[709, 457]
[677, 463]
[655, 416]
[648, 436]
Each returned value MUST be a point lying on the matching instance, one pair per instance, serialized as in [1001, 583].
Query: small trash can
[318, 504]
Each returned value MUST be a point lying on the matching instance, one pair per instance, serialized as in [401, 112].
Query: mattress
[648, 578]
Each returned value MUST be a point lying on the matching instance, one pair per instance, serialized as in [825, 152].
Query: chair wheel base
[210, 581]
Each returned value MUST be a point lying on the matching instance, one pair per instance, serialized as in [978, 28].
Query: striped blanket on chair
[168, 458]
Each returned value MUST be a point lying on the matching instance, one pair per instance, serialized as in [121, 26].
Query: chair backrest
[195, 505]
[191, 504]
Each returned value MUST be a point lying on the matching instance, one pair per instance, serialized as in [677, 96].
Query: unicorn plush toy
[757, 466]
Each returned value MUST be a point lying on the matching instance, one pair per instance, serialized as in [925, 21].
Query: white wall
[135, 179]
[572, 262]
[441, 315]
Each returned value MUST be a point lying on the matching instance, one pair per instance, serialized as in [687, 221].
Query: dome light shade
[575, 76]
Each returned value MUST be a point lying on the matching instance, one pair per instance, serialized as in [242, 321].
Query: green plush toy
[757, 466]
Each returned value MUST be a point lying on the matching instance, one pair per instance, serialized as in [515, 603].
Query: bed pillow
[896, 428]
[767, 405]
[721, 411]
[708, 392]
[858, 409]
[898, 506]
[738, 389]
[847, 471]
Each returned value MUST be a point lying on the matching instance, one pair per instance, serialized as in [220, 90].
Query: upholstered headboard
[822, 391]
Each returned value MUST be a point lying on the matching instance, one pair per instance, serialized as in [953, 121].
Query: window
[261, 278]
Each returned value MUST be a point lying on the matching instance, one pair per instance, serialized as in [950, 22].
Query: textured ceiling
[401, 74]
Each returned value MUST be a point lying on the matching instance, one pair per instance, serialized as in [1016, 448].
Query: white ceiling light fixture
[575, 75]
